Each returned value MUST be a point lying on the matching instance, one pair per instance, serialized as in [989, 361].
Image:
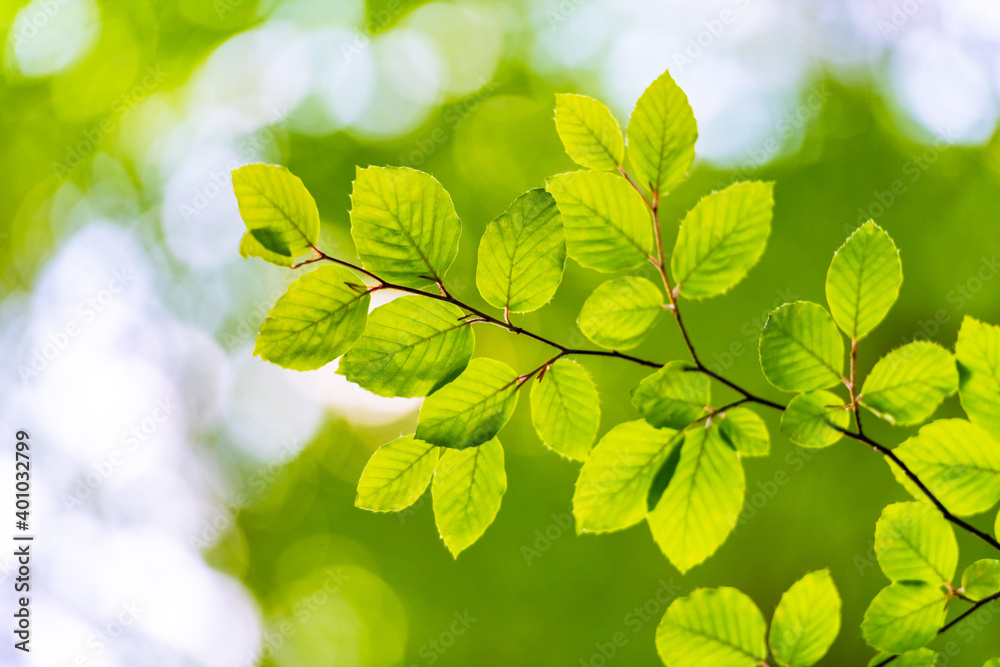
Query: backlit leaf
[315, 321]
[614, 482]
[467, 489]
[863, 280]
[608, 226]
[958, 461]
[396, 475]
[800, 348]
[661, 136]
[620, 313]
[744, 431]
[721, 238]
[702, 502]
[522, 254]
[978, 355]
[907, 385]
[565, 409]
[589, 132]
[404, 225]
[914, 542]
[904, 616]
[806, 621]
[674, 396]
[981, 579]
[412, 346]
[251, 247]
[471, 409]
[713, 627]
[810, 420]
[280, 215]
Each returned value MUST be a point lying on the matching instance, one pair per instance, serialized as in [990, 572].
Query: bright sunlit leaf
[614, 482]
[907, 385]
[958, 461]
[800, 348]
[471, 409]
[404, 225]
[812, 419]
[863, 280]
[565, 409]
[721, 238]
[467, 489]
[913, 542]
[981, 579]
[411, 347]
[744, 431]
[661, 136]
[522, 254]
[396, 475]
[608, 226]
[280, 215]
[904, 616]
[978, 355]
[620, 313]
[589, 132]
[315, 321]
[712, 627]
[698, 510]
[806, 621]
[674, 396]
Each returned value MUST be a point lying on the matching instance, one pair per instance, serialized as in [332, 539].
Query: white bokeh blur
[124, 361]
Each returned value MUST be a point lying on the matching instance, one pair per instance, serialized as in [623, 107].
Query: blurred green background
[124, 113]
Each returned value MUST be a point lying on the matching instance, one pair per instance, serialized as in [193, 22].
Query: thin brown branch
[475, 315]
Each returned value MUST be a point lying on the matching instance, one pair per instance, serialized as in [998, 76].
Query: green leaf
[958, 461]
[800, 348]
[907, 385]
[467, 489]
[661, 136]
[522, 254]
[412, 346]
[472, 409]
[674, 396]
[614, 482]
[272, 240]
[978, 355]
[806, 621]
[565, 409]
[863, 280]
[981, 579]
[251, 247]
[992, 662]
[713, 627]
[996, 527]
[396, 475]
[922, 657]
[913, 542]
[721, 238]
[589, 132]
[904, 616]
[621, 312]
[315, 321]
[702, 502]
[280, 215]
[404, 225]
[608, 225]
[810, 420]
[744, 430]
